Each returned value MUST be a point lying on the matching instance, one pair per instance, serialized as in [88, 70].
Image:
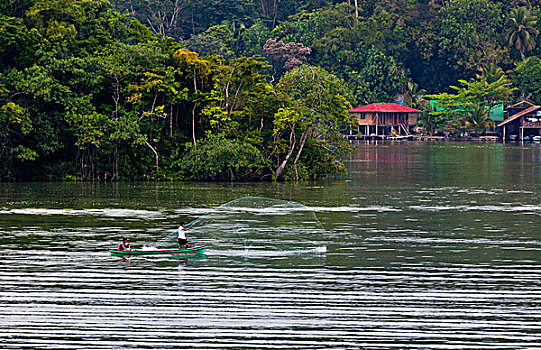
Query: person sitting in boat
[124, 245]
[182, 241]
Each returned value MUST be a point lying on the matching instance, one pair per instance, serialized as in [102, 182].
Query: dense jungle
[242, 90]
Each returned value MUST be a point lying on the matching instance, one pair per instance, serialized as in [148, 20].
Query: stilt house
[522, 122]
[382, 119]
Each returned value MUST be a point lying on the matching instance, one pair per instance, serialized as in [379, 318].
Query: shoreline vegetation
[93, 90]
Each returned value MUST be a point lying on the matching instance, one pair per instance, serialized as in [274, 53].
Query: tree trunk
[263, 8]
[171, 120]
[193, 125]
[284, 162]
[95, 164]
[275, 12]
[301, 145]
[155, 153]
[193, 110]
[304, 136]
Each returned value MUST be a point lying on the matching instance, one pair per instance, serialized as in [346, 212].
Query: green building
[496, 112]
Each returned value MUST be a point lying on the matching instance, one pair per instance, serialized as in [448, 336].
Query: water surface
[423, 246]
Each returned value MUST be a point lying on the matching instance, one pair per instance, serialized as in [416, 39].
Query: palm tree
[490, 73]
[478, 119]
[412, 95]
[427, 120]
[521, 31]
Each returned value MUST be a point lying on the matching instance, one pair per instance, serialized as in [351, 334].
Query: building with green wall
[496, 112]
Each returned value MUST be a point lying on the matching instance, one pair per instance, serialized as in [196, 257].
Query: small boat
[133, 252]
[400, 137]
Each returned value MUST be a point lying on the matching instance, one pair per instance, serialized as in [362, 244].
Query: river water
[422, 246]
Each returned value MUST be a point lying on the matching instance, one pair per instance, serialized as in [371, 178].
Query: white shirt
[181, 234]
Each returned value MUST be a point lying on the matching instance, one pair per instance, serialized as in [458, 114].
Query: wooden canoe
[135, 252]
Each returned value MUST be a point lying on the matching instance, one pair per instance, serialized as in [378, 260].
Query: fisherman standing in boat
[182, 241]
[124, 245]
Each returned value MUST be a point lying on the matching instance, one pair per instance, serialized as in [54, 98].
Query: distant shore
[488, 138]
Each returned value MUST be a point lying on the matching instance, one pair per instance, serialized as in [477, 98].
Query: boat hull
[197, 250]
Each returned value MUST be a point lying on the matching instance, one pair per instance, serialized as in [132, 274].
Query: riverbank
[491, 138]
[488, 138]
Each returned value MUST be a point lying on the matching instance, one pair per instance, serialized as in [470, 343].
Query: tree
[15, 124]
[218, 158]
[164, 17]
[315, 108]
[478, 119]
[286, 56]
[217, 40]
[520, 30]
[490, 74]
[469, 34]
[413, 95]
[374, 76]
[465, 110]
[240, 88]
[527, 78]
[251, 40]
[199, 72]
[430, 120]
[269, 9]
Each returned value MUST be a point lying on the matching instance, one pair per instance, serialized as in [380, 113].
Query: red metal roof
[384, 108]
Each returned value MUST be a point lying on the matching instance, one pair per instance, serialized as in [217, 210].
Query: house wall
[532, 121]
[366, 118]
[386, 119]
[527, 126]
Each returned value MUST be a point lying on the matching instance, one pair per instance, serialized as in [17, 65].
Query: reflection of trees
[445, 164]
[456, 164]
[521, 165]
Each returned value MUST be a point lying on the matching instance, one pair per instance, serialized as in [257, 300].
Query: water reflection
[446, 163]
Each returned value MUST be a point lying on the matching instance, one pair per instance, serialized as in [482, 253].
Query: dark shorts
[182, 241]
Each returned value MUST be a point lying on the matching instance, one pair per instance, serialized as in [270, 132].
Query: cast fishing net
[255, 224]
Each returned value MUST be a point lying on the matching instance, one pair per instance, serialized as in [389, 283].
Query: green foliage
[431, 120]
[220, 159]
[375, 77]
[15, 124]
[527, 78]
[317, 108]
[251, 40]
[469, 33]
[217, 40]
[477, 119]
[520, 30]
[354, 50]
[490, 74]
[240, 90]
[413, 95]
[467, 110]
